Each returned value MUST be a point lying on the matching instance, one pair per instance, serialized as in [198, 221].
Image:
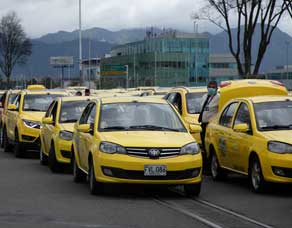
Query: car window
[11, 98]
[49, 111]
[17, 101]
[86, 112]
[38, 102]
[171, 97]
[194, 101]
[71, 111]
[243, 116]
[226, 117]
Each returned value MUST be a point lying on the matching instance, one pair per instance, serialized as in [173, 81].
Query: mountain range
[102, 40]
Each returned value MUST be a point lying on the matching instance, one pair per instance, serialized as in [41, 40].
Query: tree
[289, 5]
[15, 47]
[246, 15]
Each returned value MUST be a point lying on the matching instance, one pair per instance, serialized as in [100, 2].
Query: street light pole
[80, 45]
[127, 76]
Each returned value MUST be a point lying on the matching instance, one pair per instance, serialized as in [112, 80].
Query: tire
[44, 160]
[216, 171]
[256, 178]
[6, 145]
[54, 165]
[18, 149]
[96, 188]
[192, 189]
[78, 174]
[2, 144]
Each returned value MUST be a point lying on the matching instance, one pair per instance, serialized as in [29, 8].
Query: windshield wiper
[115, 128]
[153, 127]
[69, 121]
[34, 110]
[277, 127]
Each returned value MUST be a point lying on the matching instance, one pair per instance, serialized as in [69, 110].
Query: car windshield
[276, 115]
[139, 116]
[71, 111]
[194, 101]
[38, 102]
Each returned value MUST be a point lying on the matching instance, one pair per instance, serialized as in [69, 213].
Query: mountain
[66, 43]
[97, 34]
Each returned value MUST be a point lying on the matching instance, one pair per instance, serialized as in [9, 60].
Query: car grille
[139, 175]
[144, 152]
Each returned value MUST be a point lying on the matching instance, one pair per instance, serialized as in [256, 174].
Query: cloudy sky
[40, 17]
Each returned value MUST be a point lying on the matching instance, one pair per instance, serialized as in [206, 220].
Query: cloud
[40, 17]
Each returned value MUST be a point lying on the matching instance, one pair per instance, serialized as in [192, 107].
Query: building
[168, 59]
[222, 67]
[280, 73]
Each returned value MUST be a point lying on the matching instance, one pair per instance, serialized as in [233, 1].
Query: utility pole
[80, 45]
[287, 59]
[155, 68]
[127, 76]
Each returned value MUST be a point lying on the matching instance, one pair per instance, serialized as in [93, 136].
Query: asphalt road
[31, 196]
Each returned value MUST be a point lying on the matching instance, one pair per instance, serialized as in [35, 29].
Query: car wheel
[43, 157]
[256, 178]
[192, 189]
[216, 171]
[6, 144]
[78, 175]
[2, 144]
[54, 165]
[19, 150]
[96, 188]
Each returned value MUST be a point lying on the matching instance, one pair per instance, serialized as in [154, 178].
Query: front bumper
[277, 167]
[185, 169]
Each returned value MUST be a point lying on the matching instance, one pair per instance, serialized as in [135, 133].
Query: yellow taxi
[8, 98]
[135, 140]
[250, 135]
[57, 130]
[188, 103]
[23, 119]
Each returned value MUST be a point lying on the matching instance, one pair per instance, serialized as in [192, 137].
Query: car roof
[44, 92]
[190, 89]
[75, 98]
[260, 99]
[109, 100]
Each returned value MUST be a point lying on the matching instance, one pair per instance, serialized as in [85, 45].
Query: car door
[224, 133]
[241, 142]
[49, 128]
[12, 118]
[82, 138]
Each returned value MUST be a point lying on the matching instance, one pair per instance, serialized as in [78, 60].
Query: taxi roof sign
[36, 87]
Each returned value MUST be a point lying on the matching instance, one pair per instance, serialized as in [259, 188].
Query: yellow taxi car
[188, 103]
[57, 130]
[23, 119]
[8, 98]
[131, 140]
[250, 135]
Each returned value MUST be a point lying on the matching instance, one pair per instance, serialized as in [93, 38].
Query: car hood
[281, 136]
[67, 126]
[34, 116]
[148, 138]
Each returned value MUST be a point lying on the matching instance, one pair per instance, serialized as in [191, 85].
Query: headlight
[192, 148]
[111, 148]
[32, 124]
[66, 135]
[279, 147]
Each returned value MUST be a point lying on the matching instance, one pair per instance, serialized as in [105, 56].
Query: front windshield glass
[71, 111]
[139, 116]
[194, 101]
[38, 102]
[276, 115]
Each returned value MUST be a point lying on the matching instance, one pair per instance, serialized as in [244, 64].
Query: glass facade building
[164, 60]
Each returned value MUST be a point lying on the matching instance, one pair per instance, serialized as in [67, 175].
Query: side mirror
[243, 128]
[195, 128]
[12, 107]
[85, 128]
[47, 120]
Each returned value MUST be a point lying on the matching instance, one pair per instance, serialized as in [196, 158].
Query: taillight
[278, 83]
[224, 84]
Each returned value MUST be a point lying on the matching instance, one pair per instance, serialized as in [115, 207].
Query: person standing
[210, 102]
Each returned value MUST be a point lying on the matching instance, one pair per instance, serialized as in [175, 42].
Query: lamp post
[80, 45]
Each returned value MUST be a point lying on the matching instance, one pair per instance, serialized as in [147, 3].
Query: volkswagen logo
[154, 153]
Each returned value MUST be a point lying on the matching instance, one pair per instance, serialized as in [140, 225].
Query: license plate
[155, 170]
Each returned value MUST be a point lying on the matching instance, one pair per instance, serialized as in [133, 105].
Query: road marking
[243, 217]
[176, 207]
[227, 211]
